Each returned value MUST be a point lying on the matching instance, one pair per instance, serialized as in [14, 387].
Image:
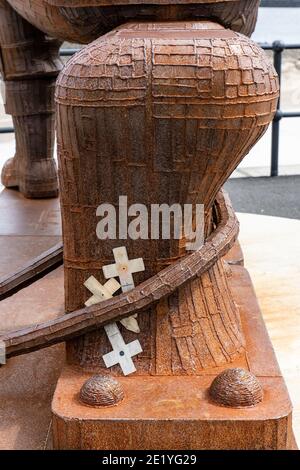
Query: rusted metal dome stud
[236, 388]
[101, 390]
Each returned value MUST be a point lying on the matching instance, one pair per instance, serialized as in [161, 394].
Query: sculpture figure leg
[29, 66]
[162, 113]
[159, 113]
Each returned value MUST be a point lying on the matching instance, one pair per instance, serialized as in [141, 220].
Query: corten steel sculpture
[161, 108]
[30, 64]
[164, 112]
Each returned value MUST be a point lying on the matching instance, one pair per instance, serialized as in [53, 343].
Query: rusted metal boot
[29, 66]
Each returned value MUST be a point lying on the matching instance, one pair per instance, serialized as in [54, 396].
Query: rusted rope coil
[143, 296]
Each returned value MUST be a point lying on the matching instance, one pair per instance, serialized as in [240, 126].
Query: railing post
[278, 48]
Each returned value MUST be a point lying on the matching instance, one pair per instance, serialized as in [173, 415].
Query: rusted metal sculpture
[152, 290]
[30, 64]
[164, 112]
[161, 109]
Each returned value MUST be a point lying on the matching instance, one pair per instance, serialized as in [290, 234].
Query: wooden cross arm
[152, 290]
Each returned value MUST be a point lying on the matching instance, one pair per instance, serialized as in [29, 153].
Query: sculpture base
[175, 412]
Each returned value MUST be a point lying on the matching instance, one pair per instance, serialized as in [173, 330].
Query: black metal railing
[278, 47]
[280, 3]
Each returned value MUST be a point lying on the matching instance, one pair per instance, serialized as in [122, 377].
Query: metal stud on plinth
[168, 412]
[101, 391]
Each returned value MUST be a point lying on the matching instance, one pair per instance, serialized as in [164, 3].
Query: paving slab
[27, 383]
[27, 228]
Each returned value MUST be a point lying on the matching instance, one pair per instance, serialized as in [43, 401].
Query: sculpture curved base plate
[157, 412]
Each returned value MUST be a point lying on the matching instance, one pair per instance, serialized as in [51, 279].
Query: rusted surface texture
[161, 113]
[160, 109]
[34, 268]
[236, 388]
[159, 130]
[27, 52]
[167, 413]
[150, 291]
[78, 26]
[27, 385]
[29, 65]
[235, 256]
[85, 21]
[33, 168]
[101, 390]
[195, 329]
[81, 3]
[176, 412]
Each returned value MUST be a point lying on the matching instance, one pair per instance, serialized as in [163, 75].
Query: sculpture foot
[38, 180]
[9, 177]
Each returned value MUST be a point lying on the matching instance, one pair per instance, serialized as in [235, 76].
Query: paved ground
[268, 196]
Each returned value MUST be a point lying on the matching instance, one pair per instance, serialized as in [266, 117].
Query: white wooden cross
[100, 292]
[122, 353]
[123, 269]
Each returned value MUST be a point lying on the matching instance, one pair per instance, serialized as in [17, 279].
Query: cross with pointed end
[123, 269]
[122, 353]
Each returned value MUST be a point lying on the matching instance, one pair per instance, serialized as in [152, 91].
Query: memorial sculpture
[30, 64]
[160, 108]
